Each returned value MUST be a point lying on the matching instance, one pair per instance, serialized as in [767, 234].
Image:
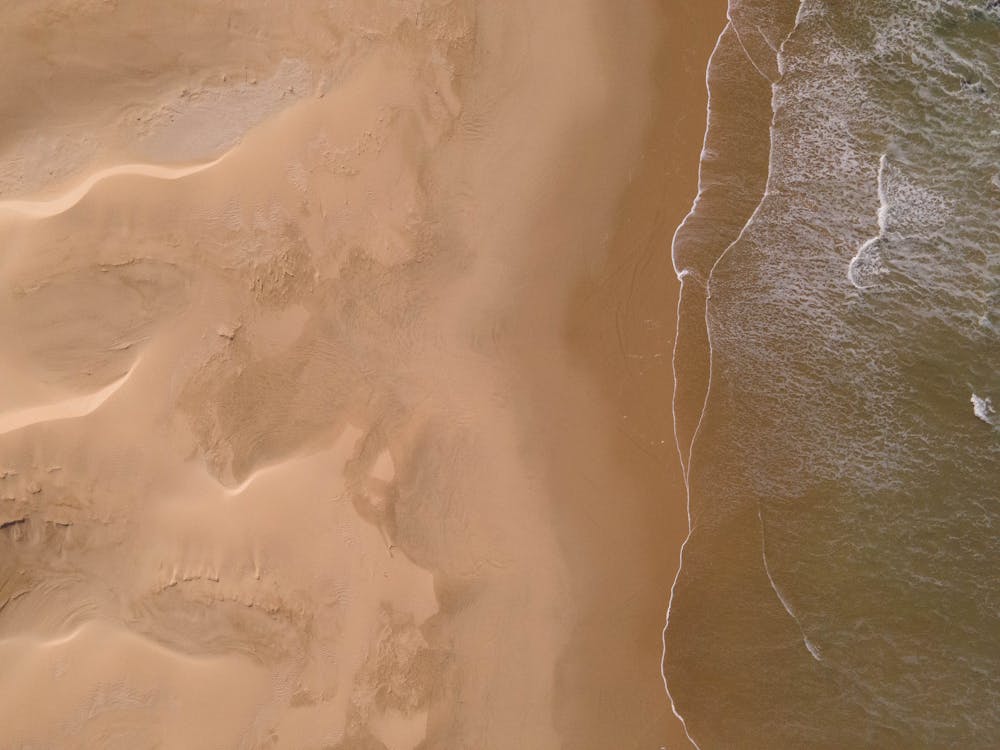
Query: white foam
[866, 265]
[909, 208]
[739, 39]
[983, 408]
[810, 646]
[883, 199]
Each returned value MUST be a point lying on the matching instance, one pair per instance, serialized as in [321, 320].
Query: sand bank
[340, 351]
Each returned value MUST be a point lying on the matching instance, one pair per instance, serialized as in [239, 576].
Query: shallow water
[840, 585]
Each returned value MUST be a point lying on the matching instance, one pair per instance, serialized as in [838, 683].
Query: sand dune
[69, 408]
[391, 464]
[41, 209]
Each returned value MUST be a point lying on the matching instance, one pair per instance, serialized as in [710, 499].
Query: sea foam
[983, 408]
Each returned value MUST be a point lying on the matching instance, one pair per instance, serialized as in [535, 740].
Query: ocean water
[838, 367]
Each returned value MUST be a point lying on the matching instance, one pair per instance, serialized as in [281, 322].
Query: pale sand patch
[104, 686]
[69, 408]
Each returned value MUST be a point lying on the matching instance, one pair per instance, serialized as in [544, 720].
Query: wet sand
[337, 371]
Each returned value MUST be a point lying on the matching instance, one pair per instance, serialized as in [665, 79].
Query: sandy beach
[336, 405]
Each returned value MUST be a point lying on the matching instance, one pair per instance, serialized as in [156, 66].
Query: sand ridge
[42, 209]
[170, 535]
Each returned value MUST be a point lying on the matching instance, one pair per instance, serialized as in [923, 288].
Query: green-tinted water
[841, 585]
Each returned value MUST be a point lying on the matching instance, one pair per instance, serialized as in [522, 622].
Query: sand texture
[335, 396]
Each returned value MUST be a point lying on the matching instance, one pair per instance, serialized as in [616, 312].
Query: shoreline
[733, 176]
[619, 327]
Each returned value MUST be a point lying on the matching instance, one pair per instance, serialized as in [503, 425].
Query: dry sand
[336, 370]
